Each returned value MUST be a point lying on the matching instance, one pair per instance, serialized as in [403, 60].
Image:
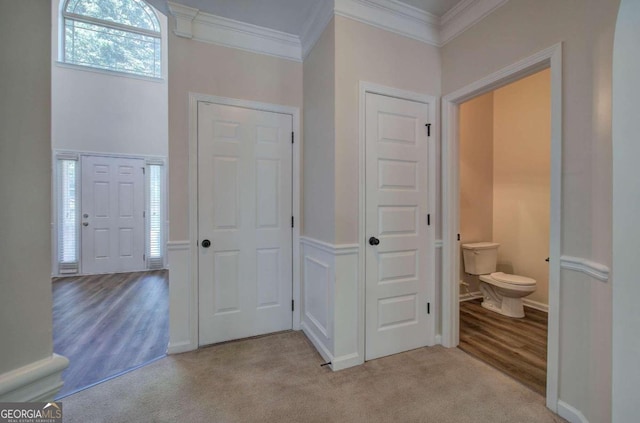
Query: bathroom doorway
[504, 165]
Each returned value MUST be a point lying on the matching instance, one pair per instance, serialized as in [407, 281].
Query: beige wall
[211, 69]
[319, 139]
[25, 175]
[519, 29]
[366, 53]
[476, 176]
[522, 179]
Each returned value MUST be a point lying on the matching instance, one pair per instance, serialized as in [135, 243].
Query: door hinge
[293, 305]
[144, 257]
[458, 237]
[428, 220]
[428, 125]
[292, 136]
[428, 308]
[143, 170]
[144, 213]
[292, 221]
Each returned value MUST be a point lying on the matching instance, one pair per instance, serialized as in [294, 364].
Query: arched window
[117, 35]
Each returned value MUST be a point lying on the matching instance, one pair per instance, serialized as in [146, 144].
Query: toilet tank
[480, 258]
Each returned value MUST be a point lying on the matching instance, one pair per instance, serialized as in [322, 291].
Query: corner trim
[345, 361]
[318, 20]
[180, 347]
[570, 413]
[37, 381]
[464, 15]
[184, 19]
[588, 267]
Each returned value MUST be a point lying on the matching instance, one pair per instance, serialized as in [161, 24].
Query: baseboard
[535, 305]
[346, 361]
[180, 347]
[322, 350]
[470, 296]
[35, 382]
[570, 413]
[438, 340]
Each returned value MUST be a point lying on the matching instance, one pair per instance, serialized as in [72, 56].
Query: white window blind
[155, 217]
[67, 216]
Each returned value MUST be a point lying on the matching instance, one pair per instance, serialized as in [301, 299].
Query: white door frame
[371, 88]
[194, 99]
[548, 58]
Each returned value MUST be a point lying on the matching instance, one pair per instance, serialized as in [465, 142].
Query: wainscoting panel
[330, 300]
[182, 327]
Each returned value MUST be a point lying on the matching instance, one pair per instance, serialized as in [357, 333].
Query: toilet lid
[512, 279]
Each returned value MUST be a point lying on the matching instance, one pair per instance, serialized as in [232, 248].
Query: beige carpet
[278, 378]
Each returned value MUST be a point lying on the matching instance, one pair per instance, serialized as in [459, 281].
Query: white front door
[244, 222]
[112, 215]
[399, 282]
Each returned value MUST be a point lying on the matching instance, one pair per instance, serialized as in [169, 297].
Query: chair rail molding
[588, 267]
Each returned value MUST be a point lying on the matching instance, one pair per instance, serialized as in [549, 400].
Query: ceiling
[282, 15]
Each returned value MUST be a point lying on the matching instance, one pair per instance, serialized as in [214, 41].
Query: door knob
[206, 243]
[85, 223]
[374, 241]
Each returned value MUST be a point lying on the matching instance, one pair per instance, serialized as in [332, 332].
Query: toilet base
[507, 306]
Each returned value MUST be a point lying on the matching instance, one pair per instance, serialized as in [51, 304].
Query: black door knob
[206, 243]
[374, 241]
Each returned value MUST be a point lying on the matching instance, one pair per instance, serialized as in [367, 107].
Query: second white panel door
[112, 215]
[244, 222]
[398, 252]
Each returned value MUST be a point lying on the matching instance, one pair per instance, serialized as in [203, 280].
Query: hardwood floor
[517, 347]
[107, 324]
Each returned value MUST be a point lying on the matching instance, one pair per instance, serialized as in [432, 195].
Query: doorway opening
[550, 58]
[504, 173]
[109, 221]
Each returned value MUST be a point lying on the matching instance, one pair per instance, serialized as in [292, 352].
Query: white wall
[522, 179]
[626, 209]
[519, 29]
[25, 165]
[107, 112]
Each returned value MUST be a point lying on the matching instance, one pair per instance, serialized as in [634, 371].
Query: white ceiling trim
[319, 18]
[200, 26]
[464, 15]
[390, 15]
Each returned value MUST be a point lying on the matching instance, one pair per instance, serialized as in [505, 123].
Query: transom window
[117, 35]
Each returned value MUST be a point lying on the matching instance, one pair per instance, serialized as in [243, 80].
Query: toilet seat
[513, 279]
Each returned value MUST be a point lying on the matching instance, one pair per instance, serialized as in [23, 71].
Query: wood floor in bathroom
[517, 347]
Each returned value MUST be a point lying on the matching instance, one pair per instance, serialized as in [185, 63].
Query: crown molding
[389, 15]
[226, 32]
[316, 23]
[464, 15]
[392, 16]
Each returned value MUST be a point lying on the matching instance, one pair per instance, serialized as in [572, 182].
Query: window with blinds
[67, 216]
[155, 242]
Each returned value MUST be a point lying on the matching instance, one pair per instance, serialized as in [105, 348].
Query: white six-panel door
[112, 219]
[244, 212]
[397, 274]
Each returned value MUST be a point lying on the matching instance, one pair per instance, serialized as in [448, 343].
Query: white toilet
[501, 292]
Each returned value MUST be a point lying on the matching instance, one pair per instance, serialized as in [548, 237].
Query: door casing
[548, 58]
[371, 88]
